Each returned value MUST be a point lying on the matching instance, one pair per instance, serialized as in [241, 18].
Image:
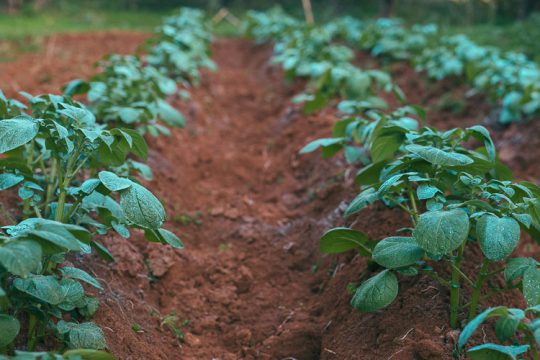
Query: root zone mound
[251, 283]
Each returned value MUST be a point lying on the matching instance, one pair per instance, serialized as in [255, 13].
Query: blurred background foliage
[510, 24]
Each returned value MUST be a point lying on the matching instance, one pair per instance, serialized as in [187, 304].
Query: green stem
[29, 162]
[415, 208]
[32, 322]
[454, 288]
[64, 184]
[477, 290]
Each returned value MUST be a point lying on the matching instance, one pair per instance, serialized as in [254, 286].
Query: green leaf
[496, 352]
[88, 354]
[167, 237]
[78, 274]
[516, 267]
[376, 293]
[397, 251]
[426, 191]
[113, 182]
[44, 288]
[141, 207]
[20, 257]
[497, 236]
[9, 329]
[170, 115]
[384, 147]
[365, 198]
[506, 326]
[16, 132]
[471, 327]
[342, 239]
[82, 336]
[531, 286]
[9, 180]
[440, 232]
[314, 145]
[482, 134]
[439, 157]
[370, 174]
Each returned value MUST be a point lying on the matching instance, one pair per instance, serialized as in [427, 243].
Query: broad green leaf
[129, 115]
[516, 267]
[370, 174]
[496, 352]
[141, 207]
[16, 132]
[72, 292]
[426, 191]
[506, 326]
[78, 274]
[439, 157]
[8, 180]
[57, 235]
[482, 133]
[170, 115]
[497, 236]
[384, 147]
[20, 257]
[113, 182]
[440, 232]
[9, 329]
[471, 327]
[365, 198]
[376, 293]
[88, 354]
[341, 239]
[397, 251]
[82, 336]
[44, 288]
[168, 237]
[531, 286]
[314, 145]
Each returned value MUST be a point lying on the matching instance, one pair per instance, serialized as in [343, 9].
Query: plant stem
[413, 203]
[29, 162]
[477, 290]
[32, 322]
[455, 286]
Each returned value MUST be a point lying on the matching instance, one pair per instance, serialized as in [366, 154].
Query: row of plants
[461, 200]
[75, 169]
[509, 79]
[458, 200]
[309, 52]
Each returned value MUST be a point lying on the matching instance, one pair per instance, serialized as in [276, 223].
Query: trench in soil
[251, 283]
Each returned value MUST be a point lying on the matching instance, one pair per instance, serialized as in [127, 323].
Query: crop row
[458, 198]
[75, 170]
[509, 79]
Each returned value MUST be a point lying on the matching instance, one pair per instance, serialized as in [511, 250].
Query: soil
[251, 283]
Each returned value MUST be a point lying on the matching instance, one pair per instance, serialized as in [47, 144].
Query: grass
[520, 36]
[17, 27]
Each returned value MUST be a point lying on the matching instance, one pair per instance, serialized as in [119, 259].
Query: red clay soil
[251, 283]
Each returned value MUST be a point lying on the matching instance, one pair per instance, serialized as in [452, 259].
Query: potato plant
[508, 78]
[456, 197]
[309, 52]
[131, 95]
[62, 163]
[182, 46]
